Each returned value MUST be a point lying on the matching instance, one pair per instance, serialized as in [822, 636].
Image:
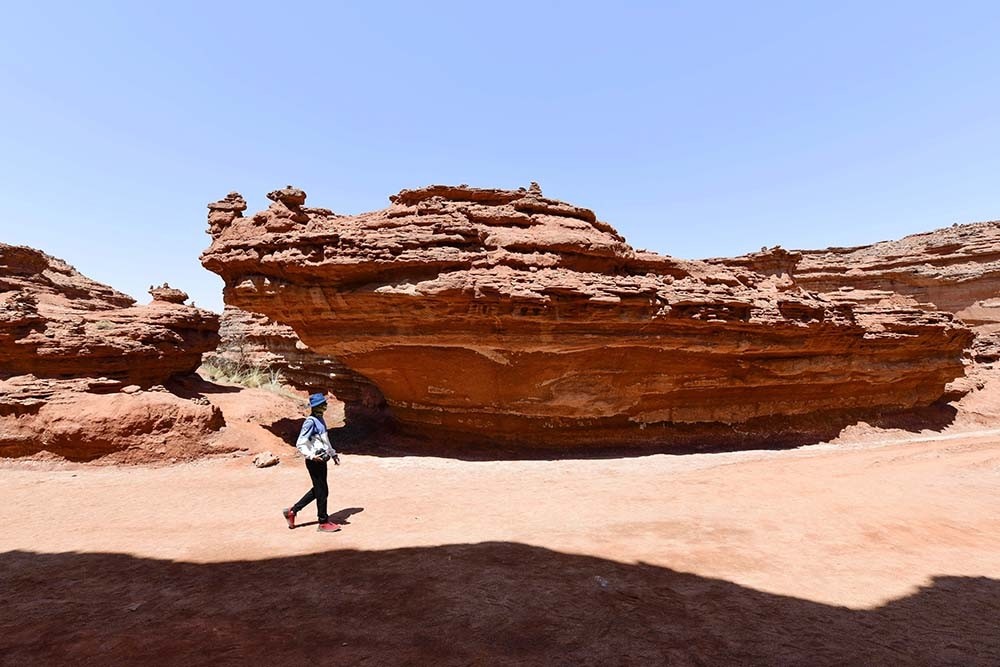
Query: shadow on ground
[194, 386]
[375, 434]
[341, 518]
[361, 430]
[489, 603]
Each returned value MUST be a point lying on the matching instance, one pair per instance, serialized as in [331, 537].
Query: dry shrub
[234, 364]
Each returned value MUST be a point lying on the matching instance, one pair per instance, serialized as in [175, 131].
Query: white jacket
[313, 441]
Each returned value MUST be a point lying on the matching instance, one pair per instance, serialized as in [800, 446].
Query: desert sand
[845, 514]
[882, 550]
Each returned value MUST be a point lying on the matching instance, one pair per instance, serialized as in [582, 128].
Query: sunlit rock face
[81, 366]
[504, 317]
[954, 269]
[57, 323]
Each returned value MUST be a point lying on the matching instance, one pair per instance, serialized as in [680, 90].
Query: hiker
[314, 443]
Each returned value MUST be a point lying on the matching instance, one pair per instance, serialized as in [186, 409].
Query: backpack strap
[317, 424]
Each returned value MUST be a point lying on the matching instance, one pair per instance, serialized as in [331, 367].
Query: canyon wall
[956, 269]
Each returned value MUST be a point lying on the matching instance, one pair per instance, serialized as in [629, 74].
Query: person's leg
[303, 501]
[318, 473]
[310, 494]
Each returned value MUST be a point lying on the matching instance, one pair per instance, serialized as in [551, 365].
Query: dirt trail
[877, 552]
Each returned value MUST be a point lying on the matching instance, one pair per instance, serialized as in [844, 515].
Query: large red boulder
[81, 365]
[503, 316]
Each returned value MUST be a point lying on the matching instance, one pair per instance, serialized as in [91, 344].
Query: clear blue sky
[697, 129]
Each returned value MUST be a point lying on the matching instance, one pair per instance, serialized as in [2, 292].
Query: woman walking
[314, 443]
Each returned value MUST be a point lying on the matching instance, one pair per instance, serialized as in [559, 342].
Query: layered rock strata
[56, 323]
[84, 419]
[77, 359]
[251, 340]
[956, 269]
[499, 316]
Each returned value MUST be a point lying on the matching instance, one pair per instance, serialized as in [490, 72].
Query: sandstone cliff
[76, 358]
[506, 316]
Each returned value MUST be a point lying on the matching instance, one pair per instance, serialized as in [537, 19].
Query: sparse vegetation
[220, 369]
[233, 364]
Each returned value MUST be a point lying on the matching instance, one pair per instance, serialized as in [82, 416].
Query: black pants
[318, 492]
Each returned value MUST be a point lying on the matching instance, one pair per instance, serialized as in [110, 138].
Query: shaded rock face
[253, 340]
[56, 323]
[501, 316]
[76, 356]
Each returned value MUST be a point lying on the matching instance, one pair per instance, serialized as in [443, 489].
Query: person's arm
[324, 438]
[304, 441]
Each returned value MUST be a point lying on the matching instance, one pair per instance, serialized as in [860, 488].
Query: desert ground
[881, 549]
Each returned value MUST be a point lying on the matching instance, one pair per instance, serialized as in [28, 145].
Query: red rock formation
[168, 294]
[507, 316]
[84, 419]
[252, 340]
[56, 323]
[955, 269]
[75, 356]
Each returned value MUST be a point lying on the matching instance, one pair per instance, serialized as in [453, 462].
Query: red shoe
[289, 515]
[327, 527]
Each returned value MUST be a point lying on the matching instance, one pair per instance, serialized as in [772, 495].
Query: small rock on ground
[265, 460]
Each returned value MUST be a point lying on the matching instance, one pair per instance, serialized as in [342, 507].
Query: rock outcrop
[167, 294]
[92, 418]
[501, 316]
[251, 340]
[81, 364]
[56, 323]
[956, 269]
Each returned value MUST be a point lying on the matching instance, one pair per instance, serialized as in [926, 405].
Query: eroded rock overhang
[504, 316]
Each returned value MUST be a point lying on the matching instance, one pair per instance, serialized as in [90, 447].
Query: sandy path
[850, 534]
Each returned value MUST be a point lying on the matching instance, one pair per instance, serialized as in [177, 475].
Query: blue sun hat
[317, 400]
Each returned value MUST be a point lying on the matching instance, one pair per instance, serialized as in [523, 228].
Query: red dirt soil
[886, 552]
